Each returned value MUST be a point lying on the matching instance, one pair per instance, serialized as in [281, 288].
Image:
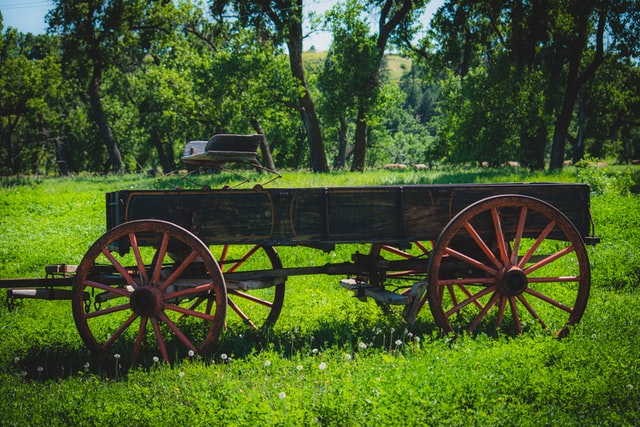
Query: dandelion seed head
[181, 374]
[362, 346]
[86, 365]
[322, 366]
[267, 363]
[398, 343]
[282, 395]
[40, 369]
[191, 353]
[314, 351]
[16, 359]
[347, 356]
[299, 367]
[116, 356]
[224, 356]
[155, 359]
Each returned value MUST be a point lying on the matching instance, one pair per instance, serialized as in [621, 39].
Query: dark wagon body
[324, 217]
[484, 258]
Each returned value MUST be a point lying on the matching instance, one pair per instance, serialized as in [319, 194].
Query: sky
[28, 17]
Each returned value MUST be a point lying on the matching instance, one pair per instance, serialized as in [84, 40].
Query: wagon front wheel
[134, 291]
[507, 263]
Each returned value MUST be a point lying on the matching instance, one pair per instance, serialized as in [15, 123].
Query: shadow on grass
[54, 363]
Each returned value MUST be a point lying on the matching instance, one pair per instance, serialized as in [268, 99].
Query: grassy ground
[330, 359]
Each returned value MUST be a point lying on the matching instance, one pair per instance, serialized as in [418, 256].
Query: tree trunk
[576, 81]
[267, 158]
[578, 147]
[100, 119]
[307, 107]
[360, 146]
[166, 161]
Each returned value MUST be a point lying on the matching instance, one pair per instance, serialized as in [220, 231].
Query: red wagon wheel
[257, 299]
[141, 278]
[507, 262]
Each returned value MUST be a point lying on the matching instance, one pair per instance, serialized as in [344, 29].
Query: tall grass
[330, 359]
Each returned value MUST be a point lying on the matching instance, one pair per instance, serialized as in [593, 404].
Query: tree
[30, 82]
[357, 57]
[95, 35]
[282, 20]
[548, 51]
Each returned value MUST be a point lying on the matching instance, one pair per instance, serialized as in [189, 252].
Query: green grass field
[330, 359]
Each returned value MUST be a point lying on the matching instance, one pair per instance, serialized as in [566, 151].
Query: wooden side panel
[215, 217]
[326, 216]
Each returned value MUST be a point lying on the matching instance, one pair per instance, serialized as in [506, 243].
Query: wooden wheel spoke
[531, 311]
[137, 346]
[471, 261]
[119, 268]
[549, 259]
[423, 248]
[106, 311]
[492, 301]
[182, 337]
[501, 307]
[543, 235]
[469, 300]
[396, 251]
[119, 331]
[467, 281]
[160, 254]
[549, 300]
[502, 244]
[518, 237]
[482, 245]
[241, 313]
[142, 271]
[514, 315]
[186, 292]
[159, 339]
[179, 270]
[558, 279]
[251, 298]
[242, 260]
[118, 291]
[188, 312]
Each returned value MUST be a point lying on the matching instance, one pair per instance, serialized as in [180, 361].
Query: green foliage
[330, 359]
[602, 180]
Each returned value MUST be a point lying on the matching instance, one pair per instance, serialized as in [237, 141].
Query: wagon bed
[324, 217]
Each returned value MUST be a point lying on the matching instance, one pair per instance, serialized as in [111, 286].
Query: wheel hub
[146, 301]
[512, 281]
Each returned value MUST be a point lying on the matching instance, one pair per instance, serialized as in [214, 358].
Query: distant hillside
[396, 64]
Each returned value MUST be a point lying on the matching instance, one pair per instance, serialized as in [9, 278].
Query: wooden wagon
[176, 265]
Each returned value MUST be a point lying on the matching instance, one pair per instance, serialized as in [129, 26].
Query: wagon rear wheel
[254, 299]
[142, 278]
[506, 263]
